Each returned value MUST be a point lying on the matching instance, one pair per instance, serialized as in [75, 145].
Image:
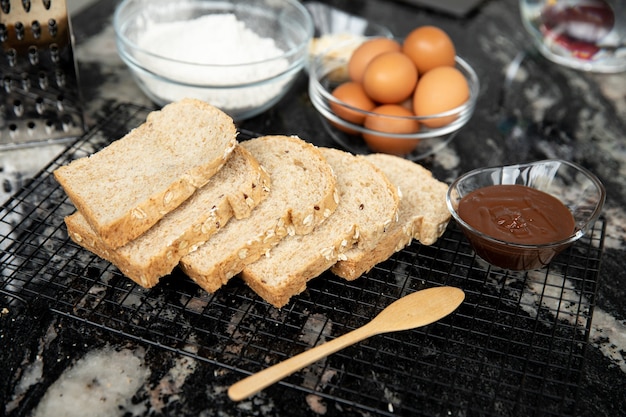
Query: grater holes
[20, 32]
[66, 122]
[25, 81]
[36, 67]
[53, 28]
[18, 108]
[7, 84]
[35, 27]
[42, 78]
[59, 76]
[12, 129]
[55, 55]
[60, 102]
[33, 55]
[49, 126]
[39, 105]
[11, 55]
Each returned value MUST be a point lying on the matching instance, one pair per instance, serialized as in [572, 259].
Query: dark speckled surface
[541, 111]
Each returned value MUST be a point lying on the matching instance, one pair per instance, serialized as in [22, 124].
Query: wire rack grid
[515, 346]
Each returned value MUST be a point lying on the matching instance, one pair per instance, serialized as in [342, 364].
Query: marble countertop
[55, 365]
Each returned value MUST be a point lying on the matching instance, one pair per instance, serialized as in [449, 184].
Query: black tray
[516, 345]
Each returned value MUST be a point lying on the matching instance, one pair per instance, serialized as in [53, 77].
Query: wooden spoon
[414, 310]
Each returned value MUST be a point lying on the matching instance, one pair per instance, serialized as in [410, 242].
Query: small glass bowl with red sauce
[519, 217]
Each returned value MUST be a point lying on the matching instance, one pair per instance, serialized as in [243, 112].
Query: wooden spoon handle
[256, 382]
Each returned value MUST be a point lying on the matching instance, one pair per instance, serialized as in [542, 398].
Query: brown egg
[391, 118]
[429, 47]
[390, 77]
[369, 49]
[353, 95]
[440, 90]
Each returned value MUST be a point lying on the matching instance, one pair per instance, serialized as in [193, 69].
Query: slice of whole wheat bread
[368, 205]
[234, 191]
[303, 195]
[125, 188]
[423, 215]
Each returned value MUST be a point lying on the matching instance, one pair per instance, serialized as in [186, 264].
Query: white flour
[101, 384]
[215, 40]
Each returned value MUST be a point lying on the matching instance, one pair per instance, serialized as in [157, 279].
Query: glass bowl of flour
[241, 56]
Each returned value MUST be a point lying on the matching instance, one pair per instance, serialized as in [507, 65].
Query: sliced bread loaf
[303, 195]
[423, 215]
[234, 191]
[125, 188]
[368, 205]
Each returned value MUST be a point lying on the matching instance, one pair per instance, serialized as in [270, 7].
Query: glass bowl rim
[578, 232]
[464, 111]
[120, 21]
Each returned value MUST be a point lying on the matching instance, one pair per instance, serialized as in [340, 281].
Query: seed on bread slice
[368, 205]
[125, 188]
[233, 192]
[303, 195]
[423, 215]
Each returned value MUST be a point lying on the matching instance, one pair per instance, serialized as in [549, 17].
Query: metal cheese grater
[40, 101]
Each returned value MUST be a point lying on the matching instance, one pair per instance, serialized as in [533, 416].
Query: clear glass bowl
[240, 89]
[330, 69]
[577, 188]
[588, 35]
[333, 25]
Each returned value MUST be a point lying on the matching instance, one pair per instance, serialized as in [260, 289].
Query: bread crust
[423, 215]
[233, 192]
[367, 207]
[125, 188]
[303, 196]
[307, 229]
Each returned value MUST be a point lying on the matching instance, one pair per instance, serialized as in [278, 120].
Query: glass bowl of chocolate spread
[519, 217]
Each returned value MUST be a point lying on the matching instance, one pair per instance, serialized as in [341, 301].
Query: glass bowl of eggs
[404, 97]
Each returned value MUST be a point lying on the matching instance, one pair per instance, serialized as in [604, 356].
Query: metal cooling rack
[516, 346]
